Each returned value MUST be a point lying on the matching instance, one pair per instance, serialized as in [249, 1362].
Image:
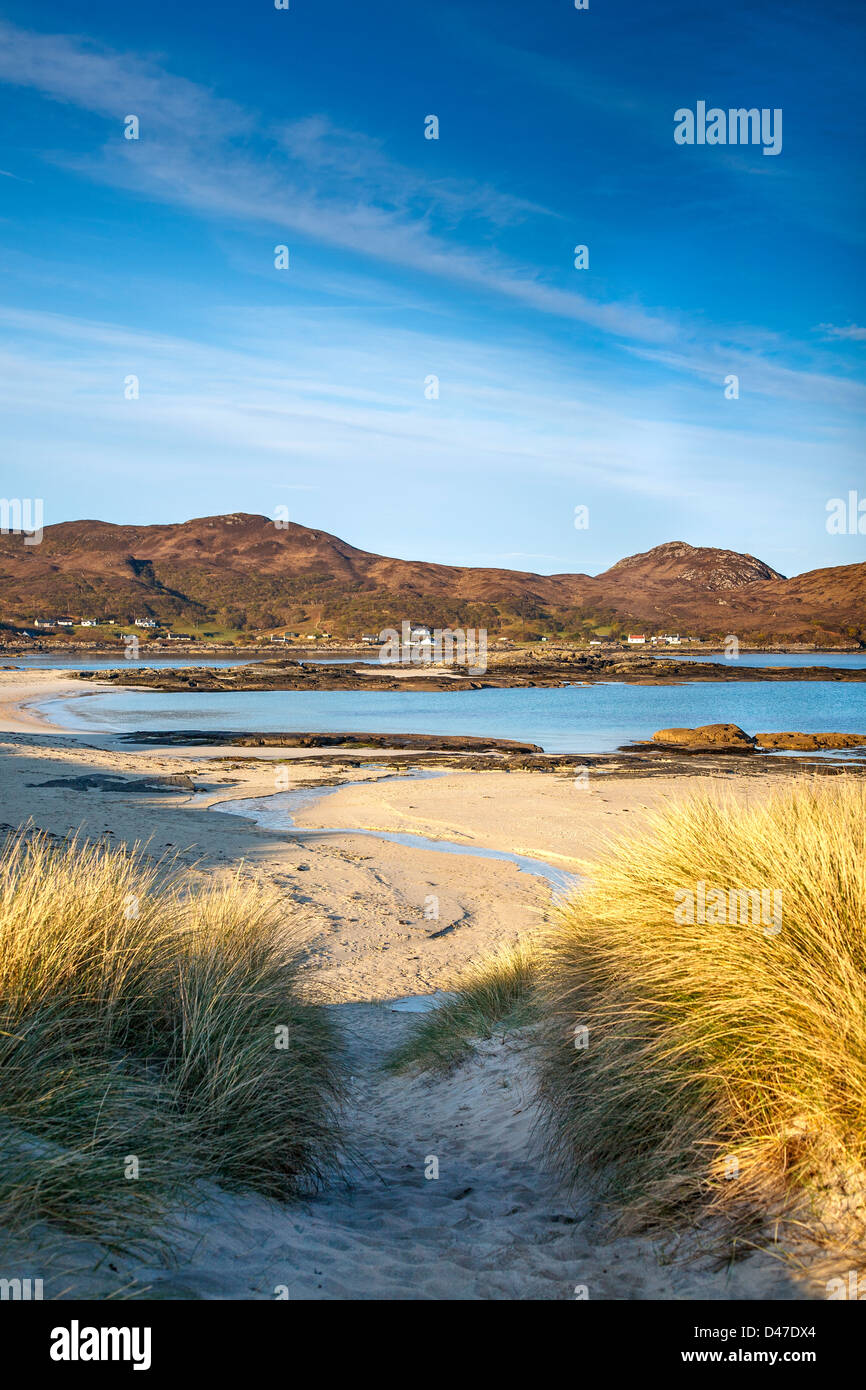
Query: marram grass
[151, 1035]
[493, 995]
[716, 1067]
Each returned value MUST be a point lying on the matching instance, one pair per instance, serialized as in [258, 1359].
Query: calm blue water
[840, 659]
[55, 662]
[575, 719]
[58, 662]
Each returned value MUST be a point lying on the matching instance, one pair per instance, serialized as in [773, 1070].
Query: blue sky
[558, 387]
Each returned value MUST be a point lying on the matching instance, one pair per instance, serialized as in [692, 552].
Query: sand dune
[495, 1224]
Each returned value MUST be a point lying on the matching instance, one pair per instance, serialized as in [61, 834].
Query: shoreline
[23, 696]
[532, 807]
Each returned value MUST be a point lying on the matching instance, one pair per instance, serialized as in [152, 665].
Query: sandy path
[495, 1224]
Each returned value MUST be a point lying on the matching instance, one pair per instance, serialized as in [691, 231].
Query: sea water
[573, 719]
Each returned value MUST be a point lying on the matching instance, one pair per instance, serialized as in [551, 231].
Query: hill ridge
[244, 571]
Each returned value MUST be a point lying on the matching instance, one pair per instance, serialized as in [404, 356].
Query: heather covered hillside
[246, 572]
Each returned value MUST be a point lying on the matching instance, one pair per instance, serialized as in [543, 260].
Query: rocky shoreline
[730, 738]
[704, 753]
[506, 672]
[457, 743]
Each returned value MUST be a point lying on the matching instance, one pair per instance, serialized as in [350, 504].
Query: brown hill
[241, 571]
[679, 563]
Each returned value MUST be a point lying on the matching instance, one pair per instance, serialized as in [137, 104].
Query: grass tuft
[139, 1023]
[725, 1065]
[490, 997]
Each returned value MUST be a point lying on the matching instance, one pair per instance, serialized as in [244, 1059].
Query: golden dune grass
[149, 1026]
[494, 994]
[723, 1068]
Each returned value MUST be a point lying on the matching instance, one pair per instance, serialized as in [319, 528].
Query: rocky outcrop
[713, 736]
[448, 743]
[730, 738]
[704, 567]
[810, 743]
[516, 669]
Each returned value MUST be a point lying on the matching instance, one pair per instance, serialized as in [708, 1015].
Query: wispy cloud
[285, 404]
[75, 70]
[311, 180]
[194, 153]
[501, 410]
[851, 332]
[361, 163]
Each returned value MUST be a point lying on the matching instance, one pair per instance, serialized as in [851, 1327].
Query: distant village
[420, 635]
